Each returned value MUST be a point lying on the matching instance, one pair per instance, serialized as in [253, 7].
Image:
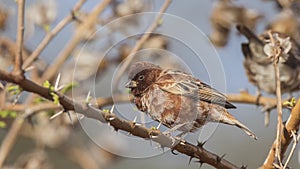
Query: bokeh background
[238, 147]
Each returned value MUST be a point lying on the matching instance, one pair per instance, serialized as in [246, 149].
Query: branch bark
[20, 34]
[291, 125]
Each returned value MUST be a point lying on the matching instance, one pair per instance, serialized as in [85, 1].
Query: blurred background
[182, 42]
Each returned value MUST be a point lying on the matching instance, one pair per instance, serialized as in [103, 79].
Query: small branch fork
[18, 71]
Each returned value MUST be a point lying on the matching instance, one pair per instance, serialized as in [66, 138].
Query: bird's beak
[131, 84]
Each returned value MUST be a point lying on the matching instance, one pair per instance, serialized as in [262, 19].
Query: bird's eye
[141, 77]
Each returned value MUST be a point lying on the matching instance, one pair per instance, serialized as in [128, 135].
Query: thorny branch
[189, 149]
[279, 146]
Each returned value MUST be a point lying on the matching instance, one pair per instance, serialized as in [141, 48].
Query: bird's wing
[181, 83]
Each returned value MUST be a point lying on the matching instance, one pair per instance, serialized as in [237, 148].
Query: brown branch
[20, 34]
[140, 43]
[35, 54]
[279, 111]
[291, 125]
[11, 137]
[121, 98]
[277, 50]
[88, 22]
[245, 97]
[296, 139]
[189, 149]
[23, 107]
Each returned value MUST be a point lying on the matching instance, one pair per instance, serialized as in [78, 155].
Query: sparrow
[259, 68]
[177, 99]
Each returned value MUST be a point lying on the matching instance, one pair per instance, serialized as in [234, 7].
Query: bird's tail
[229, 119]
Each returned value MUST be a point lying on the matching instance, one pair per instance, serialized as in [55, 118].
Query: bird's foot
[179, 137]
[258, 96]
[173, 129]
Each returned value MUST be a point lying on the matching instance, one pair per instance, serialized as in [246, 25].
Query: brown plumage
[175, 98]
[260, 69]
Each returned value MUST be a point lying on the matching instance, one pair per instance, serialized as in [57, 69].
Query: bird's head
[141, 76]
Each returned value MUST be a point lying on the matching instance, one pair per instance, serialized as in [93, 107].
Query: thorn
[172, 151]
[219, 159]
[152, 136]
[1, 85]
[191, 157]
[29, 68]
[57, 82]
[87, 99]
[200, 162]
[201, 144]
[61, 87]
[182, 143]
[200, 165]
[244, 166]
[158, 126]
[110, 118]
[135, 123]
[134, 120]
[81, 117]
[116, 129]
[57, 114]
[112, 108]
[69, 114]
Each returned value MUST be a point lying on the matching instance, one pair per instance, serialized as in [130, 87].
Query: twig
[121, 98]
[242, 97]
[23, 107]
[89, 21]
[291, 125]
[245, 97]
[295, 138]
[35, 54]
[18, 57]
[140, 43]
[277, 52]
[11, 137]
